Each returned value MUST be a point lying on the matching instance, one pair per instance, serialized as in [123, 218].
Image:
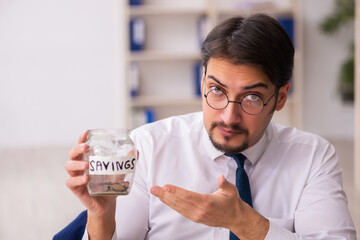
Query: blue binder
[137, 34]
[288, 25]
[198, 70]
[135, 2]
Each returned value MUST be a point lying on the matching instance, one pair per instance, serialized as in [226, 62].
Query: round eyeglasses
[251, 104]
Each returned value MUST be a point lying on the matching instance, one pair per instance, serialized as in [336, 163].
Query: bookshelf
[166, 75]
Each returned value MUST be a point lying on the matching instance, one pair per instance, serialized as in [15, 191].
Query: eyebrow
[216, 80]
[256, 85]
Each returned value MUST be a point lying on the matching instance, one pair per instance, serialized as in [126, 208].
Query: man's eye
[216, 90]
[252, 97]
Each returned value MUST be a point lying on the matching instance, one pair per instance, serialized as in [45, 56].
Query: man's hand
[223, 208]
[101, 210]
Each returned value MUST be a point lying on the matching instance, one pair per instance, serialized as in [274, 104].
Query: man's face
[231, 130]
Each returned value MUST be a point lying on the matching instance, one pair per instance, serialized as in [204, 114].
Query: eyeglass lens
[251, 104]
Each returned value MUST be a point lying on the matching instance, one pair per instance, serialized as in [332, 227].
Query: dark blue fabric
[75, 230]
[242, 183]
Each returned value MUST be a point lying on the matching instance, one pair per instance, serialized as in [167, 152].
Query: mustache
[234, 127]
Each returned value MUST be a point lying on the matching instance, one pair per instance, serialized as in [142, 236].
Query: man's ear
[282, 96]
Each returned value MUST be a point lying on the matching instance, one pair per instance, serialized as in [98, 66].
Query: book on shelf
[202, 29]
[143, 116]
[198, 71]
[288, 25]
[134, 78]
[137, 34]
[135, 2]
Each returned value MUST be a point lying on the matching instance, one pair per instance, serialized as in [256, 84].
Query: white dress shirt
[294, 176]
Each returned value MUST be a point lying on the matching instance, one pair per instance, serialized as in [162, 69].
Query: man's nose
[232, 113]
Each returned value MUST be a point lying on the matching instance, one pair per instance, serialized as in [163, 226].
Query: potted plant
[344, 13]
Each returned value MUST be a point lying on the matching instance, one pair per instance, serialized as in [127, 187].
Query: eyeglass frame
[240, 102]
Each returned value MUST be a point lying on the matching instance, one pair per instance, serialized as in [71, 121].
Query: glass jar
[112, 159]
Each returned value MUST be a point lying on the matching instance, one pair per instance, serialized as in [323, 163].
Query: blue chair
[75, 230]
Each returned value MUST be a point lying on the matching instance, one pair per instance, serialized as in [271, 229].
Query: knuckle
[207, 203]
[73, 182]
[69, 166]
[68, 182]
[168, 188]
[77, 151]
[200, 215]
[82, 137]
[71, 153]
[66, 165]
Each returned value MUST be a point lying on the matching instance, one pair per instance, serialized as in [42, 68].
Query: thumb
[224, 184]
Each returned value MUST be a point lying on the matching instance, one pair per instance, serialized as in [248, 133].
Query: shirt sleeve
[277, 232]
[86, 236]
[322, 212]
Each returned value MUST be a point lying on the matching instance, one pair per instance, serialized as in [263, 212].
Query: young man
[188, 165]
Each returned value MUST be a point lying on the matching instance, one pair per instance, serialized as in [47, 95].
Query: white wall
[60, 69]
[324, 112]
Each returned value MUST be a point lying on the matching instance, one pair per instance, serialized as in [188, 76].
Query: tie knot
[239, 159]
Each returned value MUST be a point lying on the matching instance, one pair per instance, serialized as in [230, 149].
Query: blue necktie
[242, 183]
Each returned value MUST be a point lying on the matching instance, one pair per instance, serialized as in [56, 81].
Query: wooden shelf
[150, 55]
[148, 10]
[250, 7]
[271, 10]
[161, 101]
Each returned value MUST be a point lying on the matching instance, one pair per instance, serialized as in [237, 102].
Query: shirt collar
[253, 153]
[213, 153]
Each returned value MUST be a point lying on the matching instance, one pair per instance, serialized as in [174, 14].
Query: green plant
[344, 13]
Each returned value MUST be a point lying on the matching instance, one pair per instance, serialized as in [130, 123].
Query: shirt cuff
[86, 236]
[276, 232]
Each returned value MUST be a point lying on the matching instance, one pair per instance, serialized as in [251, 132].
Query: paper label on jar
[99, 165]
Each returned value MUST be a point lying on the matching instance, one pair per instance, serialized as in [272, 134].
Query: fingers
[226, 188]
[75, 168]
[78, 186]
[162, 191]
[83, 137]
[76, 153]
[223, 183]
[215, 209]
[74, 182]
[177, 198]
[169, 194]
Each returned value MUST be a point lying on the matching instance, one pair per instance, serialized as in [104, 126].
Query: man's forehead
[248, 86]
[226, 73]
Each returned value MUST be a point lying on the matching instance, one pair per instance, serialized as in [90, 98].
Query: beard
[226, 147]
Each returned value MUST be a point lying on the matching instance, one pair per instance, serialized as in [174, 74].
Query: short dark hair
[255, 40]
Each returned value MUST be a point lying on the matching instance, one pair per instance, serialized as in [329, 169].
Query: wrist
[101, 225]
[251, 225]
